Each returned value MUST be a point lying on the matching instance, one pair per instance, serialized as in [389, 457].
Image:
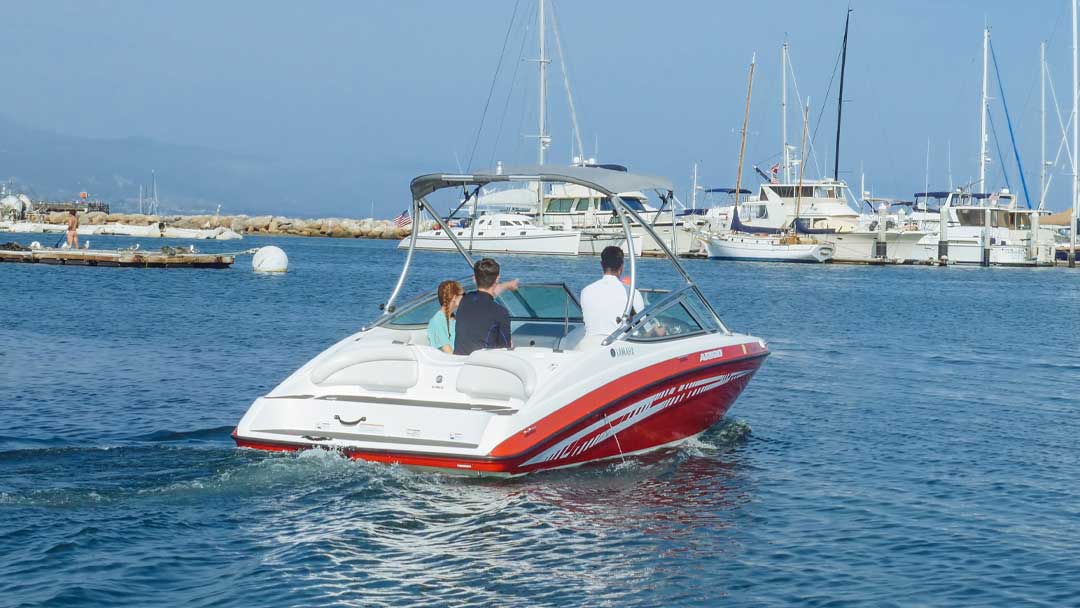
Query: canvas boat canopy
[604, 180]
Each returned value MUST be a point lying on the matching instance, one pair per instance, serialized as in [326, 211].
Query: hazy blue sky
[384, 91]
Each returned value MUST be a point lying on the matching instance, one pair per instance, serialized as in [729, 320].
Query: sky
[382, 91]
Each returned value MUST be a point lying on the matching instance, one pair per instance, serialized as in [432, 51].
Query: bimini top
[604, 180]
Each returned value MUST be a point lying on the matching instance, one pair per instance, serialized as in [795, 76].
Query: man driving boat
[604, 301]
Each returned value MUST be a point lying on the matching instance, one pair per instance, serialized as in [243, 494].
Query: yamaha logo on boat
[712, 354]
[622, 351]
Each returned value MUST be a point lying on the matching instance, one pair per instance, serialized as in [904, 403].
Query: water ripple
[913, 443]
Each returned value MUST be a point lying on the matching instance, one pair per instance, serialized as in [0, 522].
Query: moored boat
[767, 248]
[500, 233]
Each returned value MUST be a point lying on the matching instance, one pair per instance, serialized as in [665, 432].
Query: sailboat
[823, 203]
[741, 242]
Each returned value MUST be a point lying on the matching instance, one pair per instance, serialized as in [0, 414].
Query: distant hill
[190, 178]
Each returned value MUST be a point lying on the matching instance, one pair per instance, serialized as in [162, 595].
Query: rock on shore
[261, 224]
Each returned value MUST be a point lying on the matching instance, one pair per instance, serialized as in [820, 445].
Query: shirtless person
[72, 230]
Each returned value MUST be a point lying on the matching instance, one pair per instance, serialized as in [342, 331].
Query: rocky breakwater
[260, 224]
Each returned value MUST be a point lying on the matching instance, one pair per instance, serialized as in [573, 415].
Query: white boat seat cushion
[496, 374]
[386, 368]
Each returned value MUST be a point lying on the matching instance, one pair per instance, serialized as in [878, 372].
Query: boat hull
[861, 247]
[765, 249]
[553, 243]
[659, 407]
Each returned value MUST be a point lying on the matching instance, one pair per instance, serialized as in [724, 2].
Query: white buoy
[35, 245]
[270, 259]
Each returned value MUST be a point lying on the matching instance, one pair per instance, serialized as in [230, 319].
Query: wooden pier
[119, 258]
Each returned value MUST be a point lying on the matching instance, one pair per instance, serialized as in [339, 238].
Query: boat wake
[220, 433]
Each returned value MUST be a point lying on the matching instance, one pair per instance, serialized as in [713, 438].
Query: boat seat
[380, 368]
[496, 374]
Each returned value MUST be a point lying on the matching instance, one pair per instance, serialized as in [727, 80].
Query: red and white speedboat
[556, 399]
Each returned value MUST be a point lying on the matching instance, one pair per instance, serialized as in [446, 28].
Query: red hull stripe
[594, 402]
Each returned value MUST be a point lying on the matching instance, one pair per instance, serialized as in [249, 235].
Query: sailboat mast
[802, 165]
[1042, 120]
[543, 140]
[783, 114]
[982, 111]
[745, 123]
[1076, 145]
[840, 99]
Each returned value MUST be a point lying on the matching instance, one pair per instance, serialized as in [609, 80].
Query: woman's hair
[448, 290]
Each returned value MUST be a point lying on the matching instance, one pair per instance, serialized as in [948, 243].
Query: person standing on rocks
[73, 229]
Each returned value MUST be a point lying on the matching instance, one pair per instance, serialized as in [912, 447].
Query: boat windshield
[531, 302]
[678, 317]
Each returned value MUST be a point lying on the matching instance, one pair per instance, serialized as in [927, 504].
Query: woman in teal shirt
[441, 329]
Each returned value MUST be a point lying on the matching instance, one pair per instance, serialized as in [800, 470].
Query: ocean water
[912, 440]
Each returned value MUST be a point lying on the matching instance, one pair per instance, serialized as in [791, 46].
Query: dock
[118, 258]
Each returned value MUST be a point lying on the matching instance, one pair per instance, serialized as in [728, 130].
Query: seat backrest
[496, 374]
[385, 368]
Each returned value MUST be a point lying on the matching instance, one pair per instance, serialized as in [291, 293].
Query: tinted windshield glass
[672, 322]
[701, 311]
[553, 302]
[419, 315]
[540, 302]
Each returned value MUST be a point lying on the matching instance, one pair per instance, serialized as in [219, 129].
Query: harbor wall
[243, 224]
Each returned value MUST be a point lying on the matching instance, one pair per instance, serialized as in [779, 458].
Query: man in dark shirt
[481, 321]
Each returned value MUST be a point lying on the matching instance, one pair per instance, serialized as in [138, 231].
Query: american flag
[403, 220]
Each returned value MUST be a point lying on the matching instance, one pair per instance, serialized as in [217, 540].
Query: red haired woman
[441, 328]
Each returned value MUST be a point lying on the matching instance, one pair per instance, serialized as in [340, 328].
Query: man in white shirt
[604, 302]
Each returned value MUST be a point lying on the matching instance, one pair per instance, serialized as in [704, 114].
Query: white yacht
[591, 212]
[501, 233]
[821, 207]
[987, 230]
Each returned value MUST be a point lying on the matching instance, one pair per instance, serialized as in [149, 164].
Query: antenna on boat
[840, 99]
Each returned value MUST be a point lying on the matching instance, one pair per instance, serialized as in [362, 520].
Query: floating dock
[120, 258]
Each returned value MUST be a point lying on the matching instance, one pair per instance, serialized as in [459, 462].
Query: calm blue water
[911, 441]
